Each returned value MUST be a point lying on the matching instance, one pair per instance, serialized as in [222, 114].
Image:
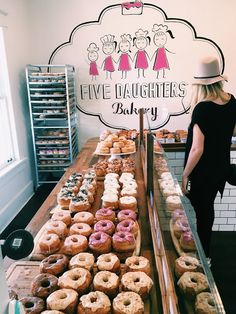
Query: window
[7, 151]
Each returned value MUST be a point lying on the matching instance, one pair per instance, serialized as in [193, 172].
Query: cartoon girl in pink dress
[141, 41]
[124, 60]
[108, 47]
[93, 56]
[160, 39]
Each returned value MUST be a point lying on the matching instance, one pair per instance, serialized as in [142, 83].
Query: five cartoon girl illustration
[93, 56]
[124, 61]
[141, 41]
[108, 47]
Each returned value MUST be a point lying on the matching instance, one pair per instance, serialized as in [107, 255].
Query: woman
[207, 156]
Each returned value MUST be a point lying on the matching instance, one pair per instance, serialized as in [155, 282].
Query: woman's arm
[195, 154]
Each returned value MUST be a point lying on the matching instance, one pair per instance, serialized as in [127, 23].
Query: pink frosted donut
[106, 226]
[105, 214]
[123, 241]
[181, 225]
[100, 242]
[126, 214]
[177, 213]
[187, 242]
[127, 225]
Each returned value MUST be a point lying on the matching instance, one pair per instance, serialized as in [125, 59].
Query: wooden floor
[223, 249]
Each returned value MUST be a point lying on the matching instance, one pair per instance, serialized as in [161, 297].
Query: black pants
[202, 198]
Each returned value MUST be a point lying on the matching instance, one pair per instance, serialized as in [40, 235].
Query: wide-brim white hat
[208, 72]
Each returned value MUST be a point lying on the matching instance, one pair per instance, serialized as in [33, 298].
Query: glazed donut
[177, 213]
[181, 225]
[186, 263]
[138, 282]
[57, 227]
[128, 202]
[95, 302]
[33, 305]
[84, 217]
[126, 214]
[75, 244]
[106, 226]
[128, 225]
[84, 260]
[187, 242]
[105, 214]
[78, 279]
[192, 283]
[128, 302]
[62, 215]
[100, 242]
[108, 262]
[138, 263]
[107, 282]
[54, 264]
[123, 241]
[80, 228]
[205, 304]
[64, 300]
[43, 285]
[49, 243]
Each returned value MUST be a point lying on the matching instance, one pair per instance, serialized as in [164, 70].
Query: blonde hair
[207, 92]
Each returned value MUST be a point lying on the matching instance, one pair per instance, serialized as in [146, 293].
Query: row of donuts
[82, 289]
[104, 166]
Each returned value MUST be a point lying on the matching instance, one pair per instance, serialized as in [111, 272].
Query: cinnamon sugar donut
[84, 260]
[192, 283]
[107, 282]
[84, 217]
[49, 243]
[108, 262]
[33, 305]
[186, 263]
[105, 214]
[95, 302]
[205, 304]
[128, 202]
[126, 214]
[106, 226]
[128, 302]
[100, 242]
[138, 263]
[128, 225]
[64, 300]
[78, 279]
[123, 241]
[54, 264]
[43, 285]
[75, 244]
[62, 215]
[80, 228]
[138, 282]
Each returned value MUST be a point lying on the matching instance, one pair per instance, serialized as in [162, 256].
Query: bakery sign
[134, 56]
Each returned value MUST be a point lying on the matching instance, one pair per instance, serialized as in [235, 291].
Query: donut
[105, 214]
[64, 300]
[115, 150]
[84, 260]
[130, 184]
[138, 282]
[84, 217]
[128, 149]
[128, 191]
[181, 225]
[205, 304]
[52, 312]
[112, 175]
[80, 228]
[186, 263]
[128, 225]
[106, 226]
[88, 186]
[138, 263]
[110, 201]
[177, 213]
[126, 214]
[100, 242]
[192, 283]
[170, 191]
[62, 215]
[107, 282]
[166, 184]
[173, 202]
[54, 264]
[128, 302]
[123, 241]
[64, 197]
[43, 285]
[85, 193]
[128, 202]
[74, 244]
[95, 302]
[33, 305]
[78, 279]
[110, 190]
[58, 227]
[126, 176]
[187, 242]
[79, 204]
[108, 262]
[49, 243]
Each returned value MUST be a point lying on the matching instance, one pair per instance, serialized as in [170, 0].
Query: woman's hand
[185, 184]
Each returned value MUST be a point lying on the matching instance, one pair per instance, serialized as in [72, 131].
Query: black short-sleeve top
[217, 123]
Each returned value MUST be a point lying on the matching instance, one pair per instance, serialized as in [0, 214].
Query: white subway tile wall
[225, 208]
